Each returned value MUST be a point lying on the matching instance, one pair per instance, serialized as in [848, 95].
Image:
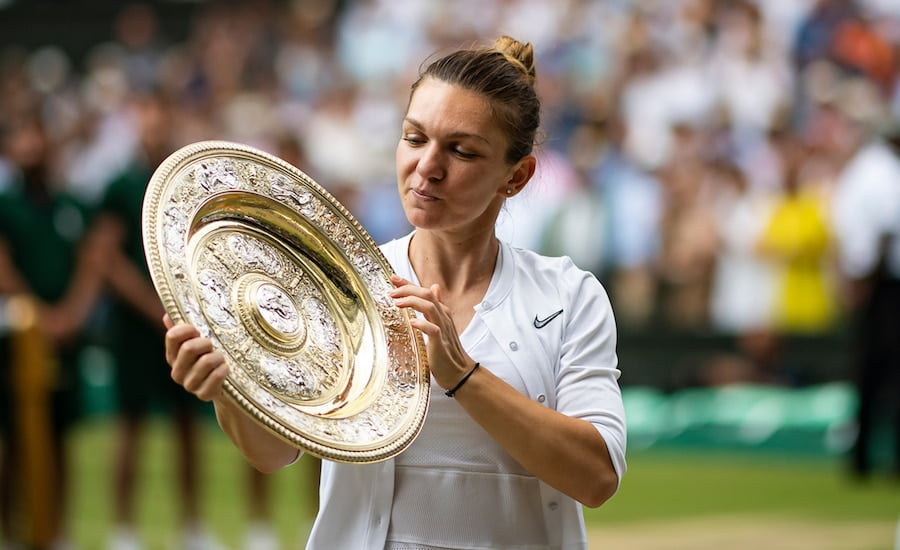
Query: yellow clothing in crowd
[797, 238]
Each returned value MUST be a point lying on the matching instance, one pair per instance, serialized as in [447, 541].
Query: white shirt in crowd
[867, 211]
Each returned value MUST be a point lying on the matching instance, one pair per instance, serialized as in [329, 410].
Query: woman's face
[451, 168]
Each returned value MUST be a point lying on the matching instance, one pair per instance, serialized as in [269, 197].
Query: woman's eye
[464, 154]
[413, 140]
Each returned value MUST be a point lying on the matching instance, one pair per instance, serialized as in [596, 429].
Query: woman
[526, 418]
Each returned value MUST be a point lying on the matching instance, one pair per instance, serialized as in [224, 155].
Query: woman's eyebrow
[455, 135]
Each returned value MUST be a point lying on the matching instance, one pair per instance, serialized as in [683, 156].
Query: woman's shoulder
[559, 275]
[551, 266]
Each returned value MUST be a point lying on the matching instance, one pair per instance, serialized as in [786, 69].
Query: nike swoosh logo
[541, 323]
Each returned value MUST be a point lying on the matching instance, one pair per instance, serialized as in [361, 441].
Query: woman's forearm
[262, 449]
[567, 453]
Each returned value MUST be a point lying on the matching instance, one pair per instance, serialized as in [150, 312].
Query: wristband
[451, 391]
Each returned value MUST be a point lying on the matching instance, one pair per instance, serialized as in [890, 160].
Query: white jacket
[568, 364]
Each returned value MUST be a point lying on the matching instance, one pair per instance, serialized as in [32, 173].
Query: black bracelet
[450, 392]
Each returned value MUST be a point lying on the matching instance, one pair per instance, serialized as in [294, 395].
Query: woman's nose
[430, 164]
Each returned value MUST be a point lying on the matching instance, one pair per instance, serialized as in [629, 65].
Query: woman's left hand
[447, 359]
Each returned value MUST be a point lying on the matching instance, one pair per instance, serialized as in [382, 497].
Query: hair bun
[520, 54]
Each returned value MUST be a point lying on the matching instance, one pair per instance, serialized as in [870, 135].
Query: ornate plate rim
[157, 185]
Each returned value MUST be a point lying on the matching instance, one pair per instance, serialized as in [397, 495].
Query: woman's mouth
[421, 195]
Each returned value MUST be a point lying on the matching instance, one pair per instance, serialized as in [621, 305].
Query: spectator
[633, 199]
[743, 288]
[51, 266]
[797, 239]
[867, 223]
[135, 339]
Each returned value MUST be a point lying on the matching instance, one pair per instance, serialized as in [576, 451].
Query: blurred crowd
[699, 156]
[691, 148]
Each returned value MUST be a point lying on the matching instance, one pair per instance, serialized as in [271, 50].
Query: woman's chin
[422, 220]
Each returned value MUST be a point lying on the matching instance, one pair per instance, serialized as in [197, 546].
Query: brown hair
[505, 75]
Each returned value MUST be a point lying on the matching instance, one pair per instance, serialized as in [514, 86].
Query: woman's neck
[457, 263]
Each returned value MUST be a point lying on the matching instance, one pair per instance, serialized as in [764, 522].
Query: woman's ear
[520, 175]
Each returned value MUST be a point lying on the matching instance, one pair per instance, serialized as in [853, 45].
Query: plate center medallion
[277, 312]
[270, 314]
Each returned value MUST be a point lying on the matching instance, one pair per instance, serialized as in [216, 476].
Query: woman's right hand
[196, 365]
[202, 370]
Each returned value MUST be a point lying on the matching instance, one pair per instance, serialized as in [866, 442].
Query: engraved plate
[294, 293]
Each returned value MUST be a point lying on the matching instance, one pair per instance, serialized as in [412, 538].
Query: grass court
[691, 498]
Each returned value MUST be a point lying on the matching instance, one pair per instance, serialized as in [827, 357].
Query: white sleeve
[587, 379]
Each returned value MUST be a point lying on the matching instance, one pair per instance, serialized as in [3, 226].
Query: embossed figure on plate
[324, 331]
[255, 254]
[289, 379]
[277, 309]
[174, 229]
[216, 173]
[216, 299]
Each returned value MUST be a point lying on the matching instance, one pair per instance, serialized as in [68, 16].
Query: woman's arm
[567, 453]
[202, 370]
